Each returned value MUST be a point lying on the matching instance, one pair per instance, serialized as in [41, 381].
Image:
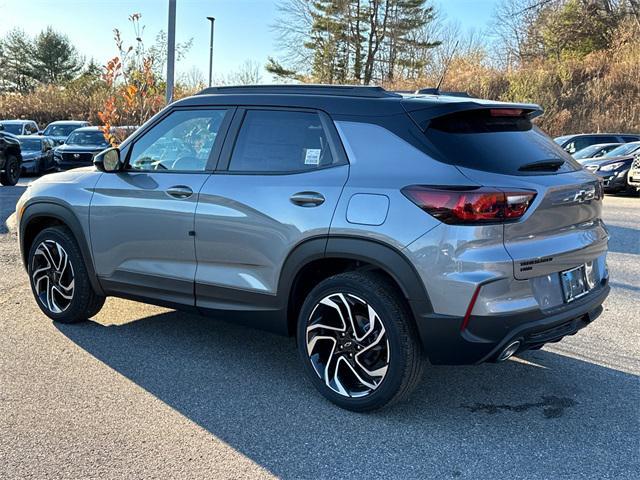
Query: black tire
[11, 174]
[38, 169]
[404, 368]
[84, 302]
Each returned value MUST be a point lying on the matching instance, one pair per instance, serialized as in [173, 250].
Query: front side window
[277, 141]
[182, 141]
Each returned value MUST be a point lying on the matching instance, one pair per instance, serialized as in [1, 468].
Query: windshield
[60, 130]
[15, 128]
[625, 149]
[86, 138]
[31, 144]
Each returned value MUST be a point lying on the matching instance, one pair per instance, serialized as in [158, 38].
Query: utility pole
[213, 21]
[171, 50]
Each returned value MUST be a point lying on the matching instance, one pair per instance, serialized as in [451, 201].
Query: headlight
[611, 167]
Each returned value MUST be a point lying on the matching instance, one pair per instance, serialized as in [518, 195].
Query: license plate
[574, 283]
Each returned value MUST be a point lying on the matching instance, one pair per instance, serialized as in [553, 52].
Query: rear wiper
[543, 166]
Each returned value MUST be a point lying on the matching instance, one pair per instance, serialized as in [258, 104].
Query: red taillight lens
[506, 112]
[479, 205]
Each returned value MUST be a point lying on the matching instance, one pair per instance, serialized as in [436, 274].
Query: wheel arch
[40, 215]
[338, 254]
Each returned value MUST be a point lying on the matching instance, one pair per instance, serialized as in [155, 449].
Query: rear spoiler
[422, 112]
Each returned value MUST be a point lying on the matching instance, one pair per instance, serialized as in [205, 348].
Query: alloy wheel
[347, 345]
[52, 276]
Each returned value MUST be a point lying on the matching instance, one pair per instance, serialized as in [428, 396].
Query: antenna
[446, 67]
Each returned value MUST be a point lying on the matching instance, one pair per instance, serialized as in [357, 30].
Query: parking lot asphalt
[146, 392]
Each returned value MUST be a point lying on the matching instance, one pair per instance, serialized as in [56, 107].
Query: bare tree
[249, 73]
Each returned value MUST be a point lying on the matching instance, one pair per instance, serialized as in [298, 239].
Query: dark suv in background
[10, 158]
[79, 148]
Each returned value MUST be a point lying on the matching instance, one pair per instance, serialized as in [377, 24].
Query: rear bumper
[487, 336]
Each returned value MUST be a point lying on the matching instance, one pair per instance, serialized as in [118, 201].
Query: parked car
[595, 151]
[614, 167]
[20, 127]
[37, 154]
[633, 178]
[376, 227]
[10, 158]
[79, 148]
[575, 143]
[60, 130]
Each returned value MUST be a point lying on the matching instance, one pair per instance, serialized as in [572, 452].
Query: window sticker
[312, 156]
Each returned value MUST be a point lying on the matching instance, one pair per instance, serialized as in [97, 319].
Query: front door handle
[307, 199]
[179, 191]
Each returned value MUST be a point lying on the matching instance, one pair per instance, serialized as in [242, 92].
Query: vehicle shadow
[624, 240]
[547, 415]
[8, 198]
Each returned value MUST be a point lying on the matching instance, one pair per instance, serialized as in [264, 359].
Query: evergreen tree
[17, 71]
[360, 41]
[54, 60]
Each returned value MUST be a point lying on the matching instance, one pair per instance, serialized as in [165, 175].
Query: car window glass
[13, 128]
[277, 141]
[181, 142]
[583, 142]
[625, 149]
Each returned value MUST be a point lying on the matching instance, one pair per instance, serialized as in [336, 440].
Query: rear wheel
[11, 173]
[59, 279]
[358, 343]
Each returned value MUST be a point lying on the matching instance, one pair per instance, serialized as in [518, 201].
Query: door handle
[307, 199]
[179, 191]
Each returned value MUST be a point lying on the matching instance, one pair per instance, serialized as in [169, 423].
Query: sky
[244, 29]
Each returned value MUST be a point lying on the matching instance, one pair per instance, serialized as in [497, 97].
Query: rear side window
[499, 141]
[278, 141]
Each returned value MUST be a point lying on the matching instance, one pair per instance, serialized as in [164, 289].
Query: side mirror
[108, 160]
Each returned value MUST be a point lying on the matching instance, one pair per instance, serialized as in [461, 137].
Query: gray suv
[378, 228]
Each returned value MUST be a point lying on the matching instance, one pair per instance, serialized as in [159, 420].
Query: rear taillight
[469, 206]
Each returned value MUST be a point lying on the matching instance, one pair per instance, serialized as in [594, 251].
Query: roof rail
[303, 89]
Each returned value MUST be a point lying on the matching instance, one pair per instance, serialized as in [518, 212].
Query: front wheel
[11, 173]
[59, 279]
[358, 342]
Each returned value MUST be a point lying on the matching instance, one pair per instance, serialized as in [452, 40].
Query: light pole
[171, 49]
[213, 21]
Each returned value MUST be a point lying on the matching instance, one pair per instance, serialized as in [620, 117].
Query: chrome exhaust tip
[509, 351]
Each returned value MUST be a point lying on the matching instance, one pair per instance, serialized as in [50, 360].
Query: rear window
[500, 140]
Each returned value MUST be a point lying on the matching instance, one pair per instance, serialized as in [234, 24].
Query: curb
[11, 223]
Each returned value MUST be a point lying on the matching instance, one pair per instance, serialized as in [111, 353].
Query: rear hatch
[497, 145]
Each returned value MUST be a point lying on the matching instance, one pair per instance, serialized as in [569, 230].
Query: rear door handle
[307, 199]
[179, 191]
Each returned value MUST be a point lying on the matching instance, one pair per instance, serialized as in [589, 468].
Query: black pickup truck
[10, 158]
